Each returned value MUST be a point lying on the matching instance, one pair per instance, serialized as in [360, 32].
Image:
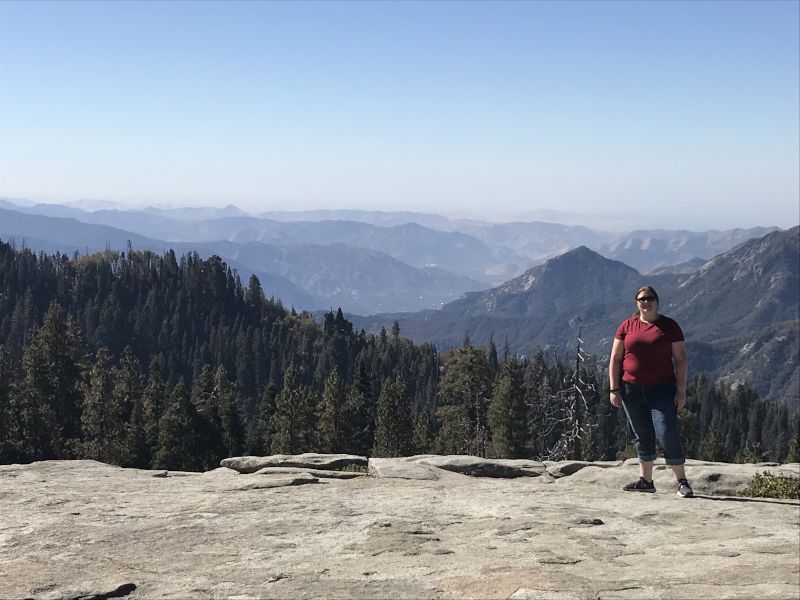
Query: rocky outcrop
[565, 468]
[315, 472]
[275, 481]
[73, 529]
[392, 468]
[251, 464]
[481, 467]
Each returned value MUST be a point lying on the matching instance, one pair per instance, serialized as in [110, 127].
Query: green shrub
[767, 485]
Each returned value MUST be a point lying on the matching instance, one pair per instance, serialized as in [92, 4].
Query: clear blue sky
[682, 114]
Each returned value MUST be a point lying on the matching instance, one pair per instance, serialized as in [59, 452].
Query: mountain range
[740, 311]
[396, 261]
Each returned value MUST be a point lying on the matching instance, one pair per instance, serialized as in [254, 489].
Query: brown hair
[649, 290]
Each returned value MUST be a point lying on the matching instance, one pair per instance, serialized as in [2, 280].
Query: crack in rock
[119, 592]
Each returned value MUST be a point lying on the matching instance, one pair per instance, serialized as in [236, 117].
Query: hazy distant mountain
[307, 276]
[47, 210]
[106, 213]
[533, 239]
[14, 203]
[372, 217]
[89, 204]
[357, 279]
[196, 213]
[649, 249]
[411, 243]
[69, 233]
[490, 252]
[536, 240]
[601, 222]
[444, 223]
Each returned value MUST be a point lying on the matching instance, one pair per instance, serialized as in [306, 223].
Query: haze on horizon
[666, 114]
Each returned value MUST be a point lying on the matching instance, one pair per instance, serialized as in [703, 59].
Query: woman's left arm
[679, 358]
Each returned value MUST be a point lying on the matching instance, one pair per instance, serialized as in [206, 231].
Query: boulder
[309, 460]
[394, 468]
[219, 472]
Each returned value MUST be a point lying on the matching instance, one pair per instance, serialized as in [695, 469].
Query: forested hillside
[162, 361]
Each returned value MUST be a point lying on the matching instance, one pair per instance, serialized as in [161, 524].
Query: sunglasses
[646, 299]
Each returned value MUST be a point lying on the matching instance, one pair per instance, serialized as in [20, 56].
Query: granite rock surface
[81, 528]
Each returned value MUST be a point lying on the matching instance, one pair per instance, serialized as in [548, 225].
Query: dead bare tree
[565, 411]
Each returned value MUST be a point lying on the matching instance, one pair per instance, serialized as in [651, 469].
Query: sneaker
[684, 489]
[641, 485]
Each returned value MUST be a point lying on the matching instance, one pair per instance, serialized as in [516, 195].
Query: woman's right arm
[614, 368]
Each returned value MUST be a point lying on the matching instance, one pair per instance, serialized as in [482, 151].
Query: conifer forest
[171, 362]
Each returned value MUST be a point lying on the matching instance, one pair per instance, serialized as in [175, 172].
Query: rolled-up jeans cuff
[675, 461]
[647, 458]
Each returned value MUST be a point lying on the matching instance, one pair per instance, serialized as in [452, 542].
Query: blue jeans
[652, 414]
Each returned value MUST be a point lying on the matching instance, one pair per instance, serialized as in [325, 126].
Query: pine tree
[507, 413]
[393, 426]
[360, 411]
[291, 426]
[603, 436]
[793, 455]
[464, 392]
[712, 447]
[139, 453]
[494, 363]
[751, 453]
[739, 402]
[245, 376]
[203, 392]
[209, 436]
[49, 398]
[152, 407]
[254, 293]
[423, 440]
[8, 447]
[102, 427]
[330, 429]
[127, 396]
[691, 438]
[179, 433]
[227, 414]
[260, 434]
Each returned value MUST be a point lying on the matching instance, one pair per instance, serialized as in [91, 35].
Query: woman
[650, 355]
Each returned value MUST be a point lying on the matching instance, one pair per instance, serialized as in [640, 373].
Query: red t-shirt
[648, 350]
